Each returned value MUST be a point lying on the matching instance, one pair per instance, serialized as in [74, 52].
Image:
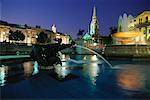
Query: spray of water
[77, 61]
[95, 53]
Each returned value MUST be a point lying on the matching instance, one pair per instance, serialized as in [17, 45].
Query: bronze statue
[47, 55]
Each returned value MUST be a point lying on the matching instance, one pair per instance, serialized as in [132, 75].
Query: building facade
[94, 25]
[31, 33]
[141, 23]
[54, 34]
[92, 37]
[93, 28]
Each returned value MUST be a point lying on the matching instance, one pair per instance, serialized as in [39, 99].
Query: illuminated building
[94, 27]
[140, 23]
[31, 33]
[92, 38]
[55, 34]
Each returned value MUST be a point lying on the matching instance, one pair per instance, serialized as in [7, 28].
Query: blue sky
[70, 15]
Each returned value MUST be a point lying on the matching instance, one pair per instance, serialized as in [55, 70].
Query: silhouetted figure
[47, 55]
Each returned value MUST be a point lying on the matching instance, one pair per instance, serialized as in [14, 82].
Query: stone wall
[129, 51]
[14, 49]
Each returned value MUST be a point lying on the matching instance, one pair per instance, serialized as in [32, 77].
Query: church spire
[94, 13]
[94, 25]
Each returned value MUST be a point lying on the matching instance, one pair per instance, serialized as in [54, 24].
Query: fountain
[94, 53]
[61, 56]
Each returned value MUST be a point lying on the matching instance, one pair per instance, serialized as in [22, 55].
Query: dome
[129, 34]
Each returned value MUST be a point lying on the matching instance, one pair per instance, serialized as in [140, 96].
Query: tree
[80, 33]
[20, 35]
[17, 36]
[70, 39]
[11, 36]
[42, 37]
[37, 26]
[113, 30]
[95, 36]
[26, 26]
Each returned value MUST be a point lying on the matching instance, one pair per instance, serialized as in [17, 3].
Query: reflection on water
[89, 64]
[90, 68]
[13, 72]
[91, 71]
[61, 71]
[28, 68]
[133, 77]
[94, 78]
[36, 68]
[3, 74]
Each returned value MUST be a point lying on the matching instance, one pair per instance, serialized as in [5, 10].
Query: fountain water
[95, 53]
[79, 62]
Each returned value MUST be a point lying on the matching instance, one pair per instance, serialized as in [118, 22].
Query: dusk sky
[69, 15]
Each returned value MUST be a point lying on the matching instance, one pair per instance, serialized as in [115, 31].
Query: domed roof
[129, 34]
